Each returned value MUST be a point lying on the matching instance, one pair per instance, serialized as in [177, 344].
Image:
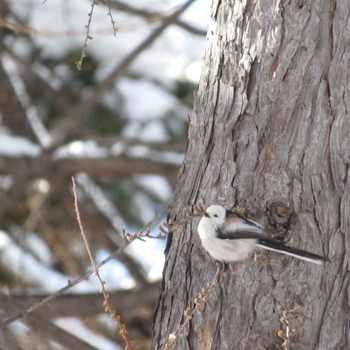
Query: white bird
[229, 236]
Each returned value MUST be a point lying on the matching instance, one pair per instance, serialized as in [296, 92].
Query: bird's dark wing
[239, 227]
[223, 234]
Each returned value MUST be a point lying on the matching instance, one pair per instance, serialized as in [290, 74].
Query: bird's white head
[216, 215]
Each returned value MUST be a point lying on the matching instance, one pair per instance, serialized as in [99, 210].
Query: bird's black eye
[215, 215]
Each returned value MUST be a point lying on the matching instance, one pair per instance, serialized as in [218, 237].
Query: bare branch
[22, 95]
[41, 324]
[73, 118]
[86, 305]
[61, 291]
[42, 166]
[12, 112]
[191, 29]
[154, 15]
[109, 141]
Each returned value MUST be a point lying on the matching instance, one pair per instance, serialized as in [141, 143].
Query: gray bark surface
[269, 132]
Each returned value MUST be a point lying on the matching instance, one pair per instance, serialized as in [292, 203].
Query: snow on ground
[77, 328]
[152, 101]
[158, 185]
[89, 149]
[16, 146]
[150, 253]
[21, 262]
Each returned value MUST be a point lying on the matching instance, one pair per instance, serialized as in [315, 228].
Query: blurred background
[99, 90]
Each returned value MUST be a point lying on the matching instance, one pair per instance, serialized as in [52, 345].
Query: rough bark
[269, 132]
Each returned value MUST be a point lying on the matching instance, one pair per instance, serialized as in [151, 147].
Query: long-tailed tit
[229, 236]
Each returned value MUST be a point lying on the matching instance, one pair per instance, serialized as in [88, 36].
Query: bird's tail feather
[271, 244]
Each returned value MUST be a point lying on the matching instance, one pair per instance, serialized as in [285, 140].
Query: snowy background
[122, 139]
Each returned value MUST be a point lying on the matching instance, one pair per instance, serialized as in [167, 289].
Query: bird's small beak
[206, 214]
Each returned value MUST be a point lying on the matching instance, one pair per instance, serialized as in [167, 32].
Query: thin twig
[108, 4]
[152, 16]
[108, 308]
[61, 291]
[42, 323]
[88, 26]
[73, 118]
[87, 36]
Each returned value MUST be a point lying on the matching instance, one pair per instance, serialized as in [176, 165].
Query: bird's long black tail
[271, 244]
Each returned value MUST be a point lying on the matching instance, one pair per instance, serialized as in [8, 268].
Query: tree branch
[41, 324]
[43, 166]
[151, 15]
[86, 305]
[20, 314]
[72, 120]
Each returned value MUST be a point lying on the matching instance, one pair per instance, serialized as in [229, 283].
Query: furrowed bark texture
[269, 132]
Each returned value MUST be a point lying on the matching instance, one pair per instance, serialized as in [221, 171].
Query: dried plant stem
[108, 308]
[199, 303]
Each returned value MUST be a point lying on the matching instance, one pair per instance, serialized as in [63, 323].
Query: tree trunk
[269, 132]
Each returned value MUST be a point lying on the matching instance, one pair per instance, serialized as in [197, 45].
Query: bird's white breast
[221, 249]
